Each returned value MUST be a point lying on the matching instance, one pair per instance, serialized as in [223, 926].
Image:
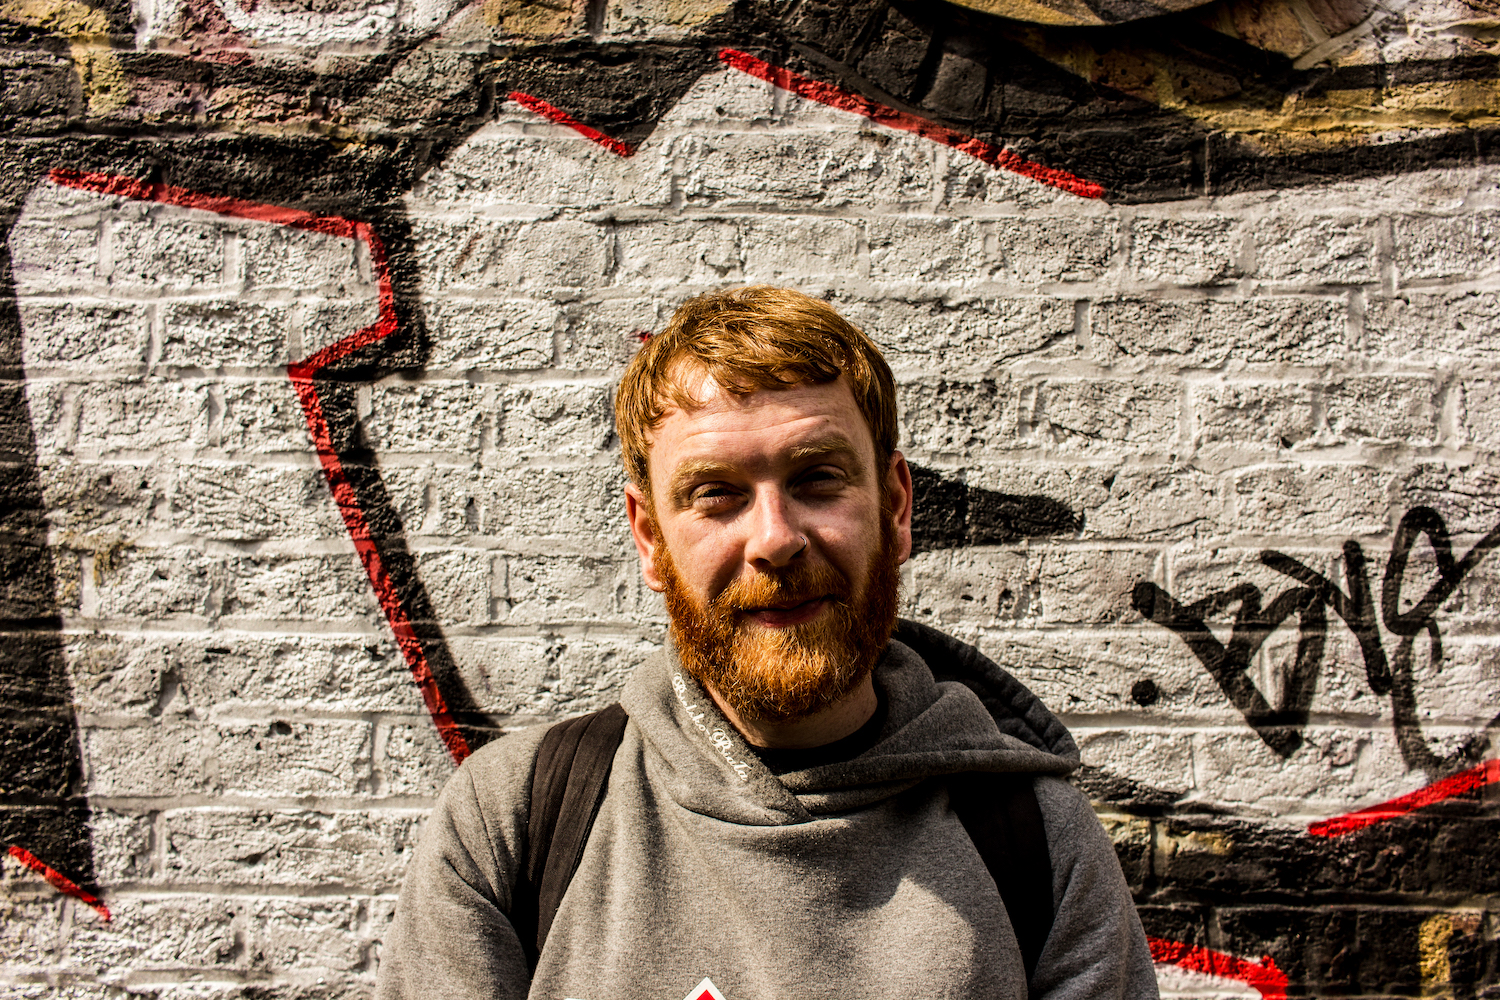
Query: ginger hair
[748, 339]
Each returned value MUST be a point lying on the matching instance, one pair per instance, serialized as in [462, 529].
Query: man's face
[775, 534]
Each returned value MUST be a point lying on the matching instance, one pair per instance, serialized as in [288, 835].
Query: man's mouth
[785, 614]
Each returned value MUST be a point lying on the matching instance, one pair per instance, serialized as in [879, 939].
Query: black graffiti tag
[1281, 726]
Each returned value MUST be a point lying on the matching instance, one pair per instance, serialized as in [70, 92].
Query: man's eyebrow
[689, 471]
[828, 447]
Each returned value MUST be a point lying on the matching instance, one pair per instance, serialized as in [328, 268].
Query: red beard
[781, 675]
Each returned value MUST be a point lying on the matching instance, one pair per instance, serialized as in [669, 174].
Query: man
[778, 818]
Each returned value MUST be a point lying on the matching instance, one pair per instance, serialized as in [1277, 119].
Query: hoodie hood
[950, 709]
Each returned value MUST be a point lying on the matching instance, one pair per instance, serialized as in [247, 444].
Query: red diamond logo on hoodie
[705, 990]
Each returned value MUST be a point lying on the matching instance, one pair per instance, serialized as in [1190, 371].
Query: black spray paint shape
[1281, 727]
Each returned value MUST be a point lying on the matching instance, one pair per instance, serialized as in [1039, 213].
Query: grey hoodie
[850, 880]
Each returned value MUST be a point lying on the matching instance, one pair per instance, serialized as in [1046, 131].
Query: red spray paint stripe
[302, 374]
[560, 116]
[57, 879]
[1475, 778]
[835, 97]
[1264, 976]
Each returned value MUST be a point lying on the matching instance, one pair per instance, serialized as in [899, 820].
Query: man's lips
[787, 614]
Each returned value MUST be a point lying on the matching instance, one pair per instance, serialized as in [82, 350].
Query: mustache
[785, 586]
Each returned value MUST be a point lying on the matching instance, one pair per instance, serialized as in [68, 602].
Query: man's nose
[775, 540]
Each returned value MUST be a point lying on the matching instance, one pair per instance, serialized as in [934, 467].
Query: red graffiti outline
[835, 97]
[556, 114]
[302, 375]
[1473, 779]
[1270, 981]
[58, 880]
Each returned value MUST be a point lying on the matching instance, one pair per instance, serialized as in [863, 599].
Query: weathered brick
[301, 261]
[1431, 246]
[493, 168]
[224, 333]
[1207, 333]
[1190, 251]
[1319, 250]
[670, 252]
[1253, 415]
[514, 256]
[1090, 586]
[604, 335]
[1382, 407]
[315, 934]
[459, 584]
[328, 588]
[1058, 249]
[544, 590]
[144, 583]
[549, 677]
[1318, 499]
[244, 501]
[926, 250]
[1335, 770]
[262, 416]
[1467, 498]
[123, 850]
[328, 321]
[1479, 420]
[152, 415]
[506, 675]
[812, 168]
[56, 255]
[969, 184]
[158, 252]
[962, 337]
[945, 417]
[427, 416]
[1093, 414]
[1148, 504]
[974, 587]
[545, 420]
[582, 503]
[270, 758]
[102, 503]
[94, 335]
[413, 762]
[788, 250]
[1433, 326]
[288, 847]
[1158, 760]
[491, 334]
[29, 934]
[159, 934]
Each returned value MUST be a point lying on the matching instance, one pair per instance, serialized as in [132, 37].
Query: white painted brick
[331, 588]
[328, 321]
[103, 502]
[312, 934]
[1262, 416]
[429, 416]
[1186, 251]
[248, 502]
[262, 416]
[1466, 497]
[1207, 333]
[268, 758]
[547, 420]
[604, 336]
[554, 589]
[287, 847]
[969, 184]
[976, 587]
[1161, 761]
[1083, 415]
[1479, 422]
[83, 334]
[669, 252]
[123, 847]
[1317, 250]
[1160, 504]
[1200, 572]
[156, 583]
[527, 257]
[1090, 586]
[505, 674]
[960, 338]
[224, 333]
[491, 334]
[1054, 249]
[822, 169]
[152, 253]
[942, 251]
[784, 251]
[1434, 326]
[296, 260]
[415, 762]
[55, 255]
[141, 416]
[949, 418]
[458, 583]
[1389, 408]
[158, 934]
[29, 933]
[1318, 499]
[1429, 246]
[493, 168]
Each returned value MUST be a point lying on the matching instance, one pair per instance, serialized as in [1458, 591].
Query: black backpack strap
[567, 785]
[1002, 817]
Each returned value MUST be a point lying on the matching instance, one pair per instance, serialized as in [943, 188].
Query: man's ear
[643, 533]
[898, 485]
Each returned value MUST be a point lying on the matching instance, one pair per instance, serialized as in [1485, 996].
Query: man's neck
[833, 723]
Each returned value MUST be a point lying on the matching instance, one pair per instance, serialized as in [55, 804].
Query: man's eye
[713, 496]
[821, 481]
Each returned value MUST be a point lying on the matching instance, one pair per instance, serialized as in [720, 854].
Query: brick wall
[1163, 443]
